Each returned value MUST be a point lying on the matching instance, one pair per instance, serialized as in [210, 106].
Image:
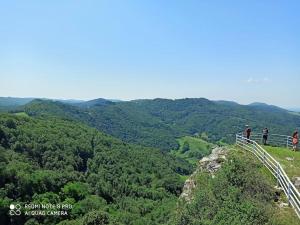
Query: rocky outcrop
[213, 162]
[188, 188]
[210, 164]
[296, 182]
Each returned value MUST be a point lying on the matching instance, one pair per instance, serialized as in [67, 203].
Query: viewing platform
[278, 157]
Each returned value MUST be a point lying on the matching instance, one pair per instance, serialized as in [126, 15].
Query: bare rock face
[211, 164]
[188, 187]
[283, 205]
[296, 181]
[289, 158]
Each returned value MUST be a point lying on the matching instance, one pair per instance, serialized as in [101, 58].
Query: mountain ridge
[158, 122]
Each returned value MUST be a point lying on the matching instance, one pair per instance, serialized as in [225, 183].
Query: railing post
[289, 193]
[277, 175]
[287, 141]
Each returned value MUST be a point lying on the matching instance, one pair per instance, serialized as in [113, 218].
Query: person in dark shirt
[248, 133]
[265, 135]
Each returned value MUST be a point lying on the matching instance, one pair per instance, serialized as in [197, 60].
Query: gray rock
[283, 205]
[296, 182]
[211, 164]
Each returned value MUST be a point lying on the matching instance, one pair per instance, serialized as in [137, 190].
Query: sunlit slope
[289, 160]
[192, 149]
[283, 215]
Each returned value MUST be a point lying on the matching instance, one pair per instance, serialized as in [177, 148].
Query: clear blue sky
[245, 51]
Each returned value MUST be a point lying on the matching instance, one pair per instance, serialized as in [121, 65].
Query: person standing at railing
[295, 140]
[248, 133]
[265, 133]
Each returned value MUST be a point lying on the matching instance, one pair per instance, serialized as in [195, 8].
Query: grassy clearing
[21, 114]
[192, 149]
[286, 216]
[263, 170]
[284, 156]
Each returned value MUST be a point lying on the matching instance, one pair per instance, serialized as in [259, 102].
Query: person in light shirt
[265, 133]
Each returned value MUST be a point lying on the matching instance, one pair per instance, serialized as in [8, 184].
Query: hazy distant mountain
[259, 104]
[15, 101]
[70, 101]
[12, 101]
[265, 106]
[294, 109]
[94, 102]
[115, 100]
[223, 102]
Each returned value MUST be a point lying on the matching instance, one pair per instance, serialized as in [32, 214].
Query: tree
[185, 147]
[88, 204]
[76, 190]
[96, 218]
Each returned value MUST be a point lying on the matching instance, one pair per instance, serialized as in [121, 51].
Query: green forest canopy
[53, 160]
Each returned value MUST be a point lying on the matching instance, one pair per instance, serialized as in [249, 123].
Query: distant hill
[226, 102]
[265, 106]
[259, 104]
[117, 119]
[11, 103]
[94, 102]
[14, 101]
[159, 122]
[294, 109]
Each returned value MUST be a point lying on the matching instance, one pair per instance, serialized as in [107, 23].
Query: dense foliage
[50, 160]
[159, 122]
[117, 119]
[236, 195]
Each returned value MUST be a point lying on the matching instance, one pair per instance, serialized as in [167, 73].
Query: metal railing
[275, 168]
[273, 139]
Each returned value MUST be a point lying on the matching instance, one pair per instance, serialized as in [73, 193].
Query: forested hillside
[51, 160]
[159, 122]
[121, 120]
